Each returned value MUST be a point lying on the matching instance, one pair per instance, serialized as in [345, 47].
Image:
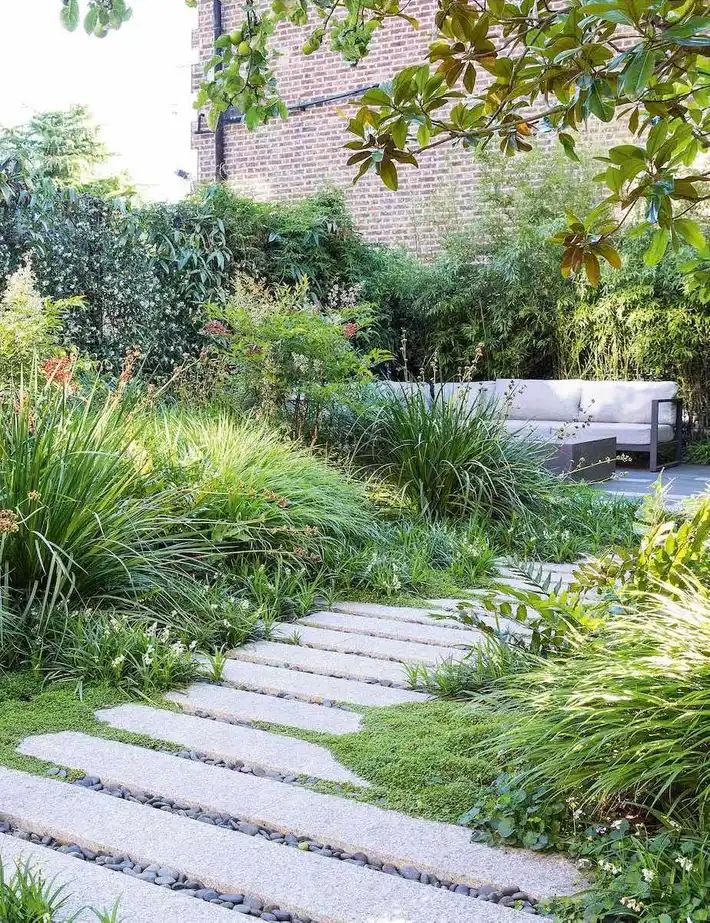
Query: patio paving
[682, 483]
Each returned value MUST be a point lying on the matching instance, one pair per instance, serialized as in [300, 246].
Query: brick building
[292, 158]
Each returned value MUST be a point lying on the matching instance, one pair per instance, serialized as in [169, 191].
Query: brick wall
[289, 159]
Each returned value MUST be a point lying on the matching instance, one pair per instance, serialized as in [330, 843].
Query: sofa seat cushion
[557, 431]
[626, 401]
[626, 433]
[535, 399]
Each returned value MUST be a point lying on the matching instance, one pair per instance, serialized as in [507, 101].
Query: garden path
[212, 811]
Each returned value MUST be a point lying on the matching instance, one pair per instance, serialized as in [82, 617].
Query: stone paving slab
[272, 752]
[224, 702]
[327, 663]
[398, 613]
[370, 646]
[301, 882]
[443, 850]
[434, 634]
[315, 688]
[412, 614]
[488, 618]
[513, 577]
[90, 886]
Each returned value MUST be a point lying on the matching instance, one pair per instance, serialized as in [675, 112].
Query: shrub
[454, 460]
[640, 323]
[287, 356]
[29, 325]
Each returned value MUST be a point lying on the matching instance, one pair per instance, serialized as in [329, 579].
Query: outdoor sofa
[643, 416]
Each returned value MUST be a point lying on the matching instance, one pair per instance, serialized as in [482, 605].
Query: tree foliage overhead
[505, 73]
[62, 145]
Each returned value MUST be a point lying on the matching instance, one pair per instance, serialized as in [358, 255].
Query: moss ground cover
[422, 759]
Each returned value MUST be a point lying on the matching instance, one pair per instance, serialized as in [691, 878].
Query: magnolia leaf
[388, 174]
[657, 247]
[610, 254]
[567, 142]
[690, 231]
[638, 73]
[70, 15]
[376, 96]
[591, 268]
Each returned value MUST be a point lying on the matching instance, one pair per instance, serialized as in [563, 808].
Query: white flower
[685, 863]
[648, 875]
[632, 904]
[117, 661]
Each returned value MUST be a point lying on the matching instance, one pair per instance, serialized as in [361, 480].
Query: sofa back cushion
[468, 393]
[403, 390]
[533, 399]
[626, 401]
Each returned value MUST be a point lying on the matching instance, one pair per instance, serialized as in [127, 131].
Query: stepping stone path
[220, 818]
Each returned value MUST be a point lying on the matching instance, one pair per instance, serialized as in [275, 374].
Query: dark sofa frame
[652, 449]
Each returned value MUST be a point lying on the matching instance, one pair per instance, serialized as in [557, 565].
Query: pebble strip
[507, 897]
[162, 876]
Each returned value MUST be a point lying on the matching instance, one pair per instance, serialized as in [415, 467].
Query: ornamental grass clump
[626, 717]
[450, 459]
[83, 519]
[265, 491]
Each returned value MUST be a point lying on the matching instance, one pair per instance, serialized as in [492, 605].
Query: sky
[136, 83]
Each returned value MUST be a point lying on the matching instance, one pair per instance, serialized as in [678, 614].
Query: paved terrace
[681, 483]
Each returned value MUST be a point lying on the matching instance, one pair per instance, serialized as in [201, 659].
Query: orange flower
[59, 370]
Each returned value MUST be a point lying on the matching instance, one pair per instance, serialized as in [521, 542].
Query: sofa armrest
[655, 408]
[677, 430]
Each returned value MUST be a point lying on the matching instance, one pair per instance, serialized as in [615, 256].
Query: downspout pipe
[220, 172]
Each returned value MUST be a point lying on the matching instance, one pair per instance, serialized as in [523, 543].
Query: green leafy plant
[290, 358]
[82, 519]
[29, 325]
[512, 814]
[490, 660]
[698, 453]
[671, 552]
[262, 491]
[658, 877]
[216, 662]
[27, 897]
